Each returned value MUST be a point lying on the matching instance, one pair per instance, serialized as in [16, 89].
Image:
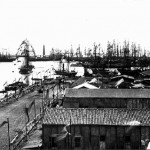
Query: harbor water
[10, 72]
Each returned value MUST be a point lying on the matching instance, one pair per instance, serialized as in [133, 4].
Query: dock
[13, 108]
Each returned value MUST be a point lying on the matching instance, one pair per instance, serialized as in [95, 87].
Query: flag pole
[8, 134]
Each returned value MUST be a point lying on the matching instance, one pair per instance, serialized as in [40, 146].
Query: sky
[62, 23]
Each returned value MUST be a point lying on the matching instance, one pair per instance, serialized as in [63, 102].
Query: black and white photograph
[75, 74]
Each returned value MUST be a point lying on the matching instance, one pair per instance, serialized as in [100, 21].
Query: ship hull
[65, 73]
[26, 70]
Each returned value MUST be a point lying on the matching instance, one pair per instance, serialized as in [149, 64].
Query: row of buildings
[101, 119]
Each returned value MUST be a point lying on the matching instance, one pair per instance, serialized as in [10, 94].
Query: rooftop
[107, 93]
[85, 85]
[101, 116]
[81, 80]
[145, 73]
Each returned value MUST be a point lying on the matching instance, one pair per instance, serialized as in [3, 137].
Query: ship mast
[24, 49]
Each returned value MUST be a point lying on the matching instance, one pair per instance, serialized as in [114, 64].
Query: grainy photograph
[75, 74]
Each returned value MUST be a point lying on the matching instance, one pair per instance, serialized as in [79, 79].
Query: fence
[19, 139]
[13, 97]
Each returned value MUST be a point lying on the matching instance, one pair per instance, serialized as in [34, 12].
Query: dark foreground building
[96, 128]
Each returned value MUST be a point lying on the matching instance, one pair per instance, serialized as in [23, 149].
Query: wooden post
[140, 135]
[70, 134]
[43, 101]
[53, 93]
[34, 109]
[57, 92]
[7, 96]
[8, 134]
[15, 93]
[26, 124]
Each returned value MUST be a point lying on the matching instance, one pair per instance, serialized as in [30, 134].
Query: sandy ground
[16, 115]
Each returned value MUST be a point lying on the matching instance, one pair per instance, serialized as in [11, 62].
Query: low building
[107, 98]
[91, 128]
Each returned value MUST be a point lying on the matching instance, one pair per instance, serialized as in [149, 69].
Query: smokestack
[43, 50]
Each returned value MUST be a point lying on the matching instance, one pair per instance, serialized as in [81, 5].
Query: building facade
[107, 98]
[91, 128]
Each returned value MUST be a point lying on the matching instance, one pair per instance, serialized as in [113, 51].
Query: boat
[26, 69]
[76, 64]
[14, 86]
[24, 52]
[65, 72]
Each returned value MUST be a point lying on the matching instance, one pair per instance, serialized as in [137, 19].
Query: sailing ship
[24, 51]
[65, 72]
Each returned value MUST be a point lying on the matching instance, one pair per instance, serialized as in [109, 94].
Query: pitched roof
[124, 77]
[145, 73]
[78, 82]
[85, 85]
[101, 116]
[139, 85]
[119, 82]
[107, 93]
[94, 80]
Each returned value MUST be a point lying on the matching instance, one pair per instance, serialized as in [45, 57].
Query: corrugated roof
[105, 116]
[107, 93]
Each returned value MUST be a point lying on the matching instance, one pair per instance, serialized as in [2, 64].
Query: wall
[114, 136]
[106, 103]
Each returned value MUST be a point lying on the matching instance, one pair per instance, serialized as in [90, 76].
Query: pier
[13, 106]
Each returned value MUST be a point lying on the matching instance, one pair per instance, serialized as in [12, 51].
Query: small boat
[77, 64]
[3, 91]
[37, 79]
[27, 69]
[15, 86]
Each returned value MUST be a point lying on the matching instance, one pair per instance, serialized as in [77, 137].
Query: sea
[10, 72]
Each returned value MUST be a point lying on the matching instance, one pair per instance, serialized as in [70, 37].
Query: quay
[12, 107]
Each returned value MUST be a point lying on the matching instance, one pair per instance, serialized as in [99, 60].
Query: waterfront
[10, 72]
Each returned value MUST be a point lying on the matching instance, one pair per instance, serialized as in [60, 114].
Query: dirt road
[16, 115]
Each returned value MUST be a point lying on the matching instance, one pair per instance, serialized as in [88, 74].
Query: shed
[107, 98]
[94, 128]
[107, 93]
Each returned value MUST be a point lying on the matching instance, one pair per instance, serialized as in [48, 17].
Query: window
[102, 138]
[52, 142]
[77, 141]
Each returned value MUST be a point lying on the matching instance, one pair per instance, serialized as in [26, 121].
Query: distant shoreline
[37, 59]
